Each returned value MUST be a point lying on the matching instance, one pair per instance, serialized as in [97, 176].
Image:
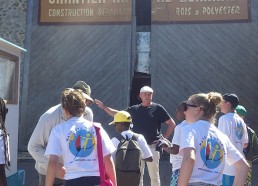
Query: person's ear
[138, 97]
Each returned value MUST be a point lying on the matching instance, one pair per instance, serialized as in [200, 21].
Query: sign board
[85, 11]
[200, 10]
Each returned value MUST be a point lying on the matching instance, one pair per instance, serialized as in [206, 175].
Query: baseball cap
[121, 116]
[85, 88]
[84, 95]
[146, 89]
[241, 110]
[231, 98]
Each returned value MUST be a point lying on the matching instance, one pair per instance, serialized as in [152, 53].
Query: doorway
[139, 80]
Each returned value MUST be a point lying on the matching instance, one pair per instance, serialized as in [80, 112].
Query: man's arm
[171, 150]
[108, 110]
[149, 159]
[38, 141]
[171, 125]
[110, 168]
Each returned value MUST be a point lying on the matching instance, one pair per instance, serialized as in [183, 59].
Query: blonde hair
[208, 102]
[73, 101]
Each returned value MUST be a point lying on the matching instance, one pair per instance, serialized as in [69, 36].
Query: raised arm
[108, 110]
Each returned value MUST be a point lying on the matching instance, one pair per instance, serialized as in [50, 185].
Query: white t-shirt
[234, 127]
[145, 150]
[212, 148]
[176, 160]
[75, 140]
[39, 138]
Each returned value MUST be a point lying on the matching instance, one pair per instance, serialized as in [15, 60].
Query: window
[9, 73]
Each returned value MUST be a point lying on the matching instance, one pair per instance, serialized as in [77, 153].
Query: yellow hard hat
[122, 116]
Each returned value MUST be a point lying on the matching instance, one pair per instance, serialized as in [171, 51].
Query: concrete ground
[26, 163]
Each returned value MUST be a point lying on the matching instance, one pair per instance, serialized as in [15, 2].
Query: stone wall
[13, 21]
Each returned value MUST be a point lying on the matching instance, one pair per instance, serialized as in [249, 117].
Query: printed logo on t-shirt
[212, 152]
[81, 143]
[239, 130]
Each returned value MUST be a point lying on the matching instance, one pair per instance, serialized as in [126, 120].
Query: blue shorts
[227, 180]
[174, 177]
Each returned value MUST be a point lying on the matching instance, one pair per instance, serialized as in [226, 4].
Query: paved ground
[26, 163]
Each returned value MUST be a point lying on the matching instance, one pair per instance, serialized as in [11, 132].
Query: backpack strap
[120, 137]
[135, 136]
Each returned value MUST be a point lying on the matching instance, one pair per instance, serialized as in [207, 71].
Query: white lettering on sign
[114, 11]
[71, 2]
[70, 12]
[222, 10]
[183, 11]
[192, 1]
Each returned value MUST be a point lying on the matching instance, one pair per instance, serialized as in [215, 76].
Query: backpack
[128, 161]
[251, 152]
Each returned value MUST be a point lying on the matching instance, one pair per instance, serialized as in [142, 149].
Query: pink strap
[100, 153]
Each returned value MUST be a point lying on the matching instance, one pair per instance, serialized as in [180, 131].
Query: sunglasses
[186, 105]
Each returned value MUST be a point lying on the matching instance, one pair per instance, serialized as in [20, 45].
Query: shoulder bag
[104, 180]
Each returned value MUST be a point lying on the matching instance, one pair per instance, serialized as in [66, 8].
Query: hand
[163, 146]
[100, 104]
[155, 142]
[163, 142]
[89, 102]
[60, 172]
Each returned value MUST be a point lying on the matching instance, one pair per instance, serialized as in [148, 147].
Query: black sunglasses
[189, 105]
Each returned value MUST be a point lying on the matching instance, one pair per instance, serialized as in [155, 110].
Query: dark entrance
[139, 81]
[143, 26]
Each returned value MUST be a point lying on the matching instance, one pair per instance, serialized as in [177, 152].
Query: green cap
[241, 110]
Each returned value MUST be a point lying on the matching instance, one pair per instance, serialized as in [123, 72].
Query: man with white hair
[147, 119]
